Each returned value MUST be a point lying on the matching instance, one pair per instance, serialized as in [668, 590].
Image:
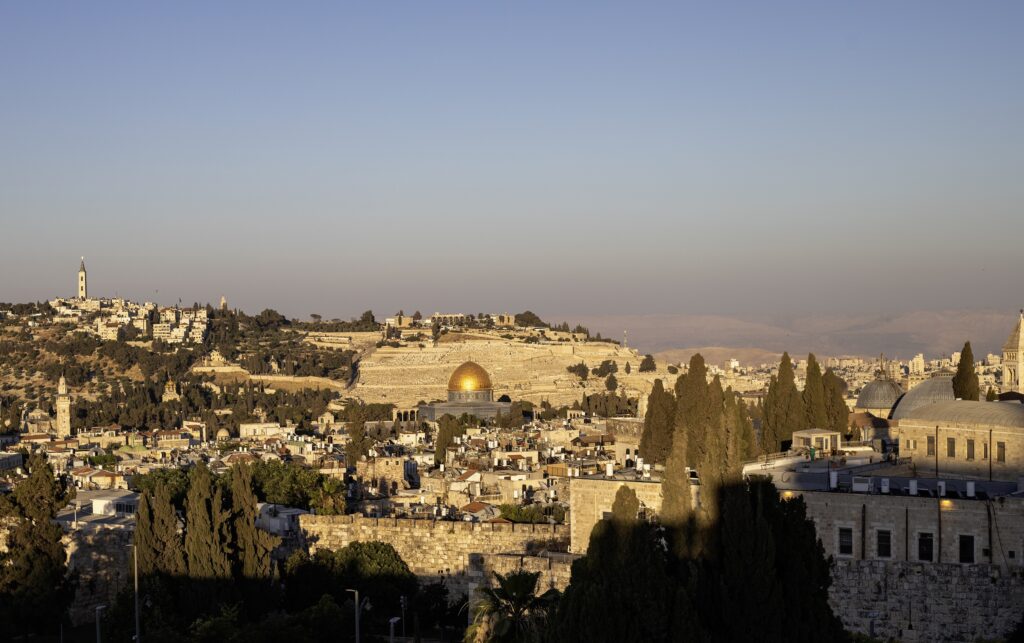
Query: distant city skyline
[590, 159]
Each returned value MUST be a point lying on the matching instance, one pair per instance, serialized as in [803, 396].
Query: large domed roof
[879, 394]
[968, 413]
[937, 389]
[469, 376]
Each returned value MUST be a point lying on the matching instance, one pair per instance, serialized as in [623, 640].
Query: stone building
[63, 405]
[591, 499]
[983, 440]
[1013, 359]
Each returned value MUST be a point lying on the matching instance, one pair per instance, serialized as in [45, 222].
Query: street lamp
[135, 564]
[99, 611]
[391, 628]
[359, 608]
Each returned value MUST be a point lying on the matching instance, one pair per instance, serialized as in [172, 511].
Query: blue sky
[573, 157]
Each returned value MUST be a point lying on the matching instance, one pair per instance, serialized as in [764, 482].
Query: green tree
[253, 546]
[611, 383]
[836, 411]
[991, 396]
[512, 611]
[358, 442]
[815, 405]
[621, 590]
[448, 428]
[783, 408]
[35, 590]
[965, 382]
[647, 365]
[156, 534]
[659, 422]
[208, 546]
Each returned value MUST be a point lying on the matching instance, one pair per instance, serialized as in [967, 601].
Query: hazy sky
[571, 157]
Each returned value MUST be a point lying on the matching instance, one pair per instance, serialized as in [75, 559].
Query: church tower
[83, 288]
[1013, 359]
[63, 409]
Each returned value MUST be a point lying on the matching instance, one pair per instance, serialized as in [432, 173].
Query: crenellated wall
[435, 548]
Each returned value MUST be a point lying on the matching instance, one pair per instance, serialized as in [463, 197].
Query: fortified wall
[437, 548]
[908, 601]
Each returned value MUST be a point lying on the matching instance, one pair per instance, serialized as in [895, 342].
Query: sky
[585, 158]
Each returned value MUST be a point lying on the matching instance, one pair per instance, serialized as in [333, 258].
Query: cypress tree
[677, 505]
[448, 428]
[693, 408]
[619, 591]
[207, 544]
[965, 382]
[656, 439]
[835, 406]
[783, 408]
[358, 442]
[814, 395]
[991, 396]
[156, 534]
[254, 545]
[145, 541]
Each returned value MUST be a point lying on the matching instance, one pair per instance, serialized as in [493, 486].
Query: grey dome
[968, 413]
[937, 389]
[879, 394]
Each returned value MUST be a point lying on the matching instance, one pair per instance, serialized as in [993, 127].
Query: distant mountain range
[899, 335]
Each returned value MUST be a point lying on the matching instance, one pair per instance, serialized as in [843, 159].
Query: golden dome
[470, 376]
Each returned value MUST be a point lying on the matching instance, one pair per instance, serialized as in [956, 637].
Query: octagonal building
[470, 391]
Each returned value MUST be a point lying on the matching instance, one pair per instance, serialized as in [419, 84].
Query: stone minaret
[1013, 359]
[63, 409]
[83, 288]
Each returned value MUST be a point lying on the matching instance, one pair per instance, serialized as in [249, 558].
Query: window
[967, 549]
[846, 541]
[1001, 451]
[950, 447]
[970, 449]
[925, 546]
[884, 543]
[986, 450]
[931, 445]
[911, 445]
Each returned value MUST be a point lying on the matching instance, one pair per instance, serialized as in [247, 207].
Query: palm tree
[512, 612]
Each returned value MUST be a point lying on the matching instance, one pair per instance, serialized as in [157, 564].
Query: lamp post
[99, 611]
[358, 608]
[135, 566]
[391, 628]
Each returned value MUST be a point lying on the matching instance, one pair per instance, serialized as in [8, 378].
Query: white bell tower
[83, 287]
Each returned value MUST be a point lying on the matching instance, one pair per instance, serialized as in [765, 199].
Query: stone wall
[435, 549]
[101, 560]
[591, 498]
[927, 601]
[555, 571]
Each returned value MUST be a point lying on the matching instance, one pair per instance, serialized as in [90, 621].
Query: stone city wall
[904, 601]
[555, 571]
[435, 549]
